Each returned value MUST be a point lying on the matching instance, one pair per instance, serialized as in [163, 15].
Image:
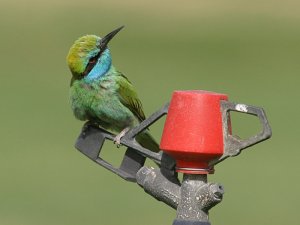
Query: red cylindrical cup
[193, 131]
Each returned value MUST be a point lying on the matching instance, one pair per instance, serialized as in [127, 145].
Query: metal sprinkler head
[197, 136]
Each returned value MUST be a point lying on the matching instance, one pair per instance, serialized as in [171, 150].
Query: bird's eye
[93, 60]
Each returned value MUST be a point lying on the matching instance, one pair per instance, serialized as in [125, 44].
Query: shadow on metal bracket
[92, 138]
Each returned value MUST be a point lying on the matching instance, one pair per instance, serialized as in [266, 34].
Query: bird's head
[89, 52]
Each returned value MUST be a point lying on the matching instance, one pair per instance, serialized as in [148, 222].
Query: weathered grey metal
[92, 138]
[197, 197]
[159, 186]
[90, 143]
[193, 198]
[189, 222]
[209, 195]
[233, 145]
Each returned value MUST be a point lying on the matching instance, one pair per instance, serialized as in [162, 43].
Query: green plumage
[106, 98]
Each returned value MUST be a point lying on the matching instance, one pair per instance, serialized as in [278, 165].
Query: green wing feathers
[129, 98]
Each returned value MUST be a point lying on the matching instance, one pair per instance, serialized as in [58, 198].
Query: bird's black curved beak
[104, 41]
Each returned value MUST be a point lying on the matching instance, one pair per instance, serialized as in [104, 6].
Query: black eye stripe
[92, 62]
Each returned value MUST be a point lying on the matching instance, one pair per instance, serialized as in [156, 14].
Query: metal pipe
[158, 185]
[197, 197]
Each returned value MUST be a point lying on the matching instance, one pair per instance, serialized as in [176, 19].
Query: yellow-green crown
[81, 51]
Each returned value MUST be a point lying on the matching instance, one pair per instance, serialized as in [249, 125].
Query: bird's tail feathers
[147, 141]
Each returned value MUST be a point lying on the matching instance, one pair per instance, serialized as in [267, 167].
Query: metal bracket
[233, 145]
[92, 138]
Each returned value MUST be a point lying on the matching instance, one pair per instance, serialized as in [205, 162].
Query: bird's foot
[117, 139]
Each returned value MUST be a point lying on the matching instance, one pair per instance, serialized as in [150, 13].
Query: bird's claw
[117, 139]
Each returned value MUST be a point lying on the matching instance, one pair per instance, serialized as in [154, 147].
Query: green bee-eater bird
[101, 94]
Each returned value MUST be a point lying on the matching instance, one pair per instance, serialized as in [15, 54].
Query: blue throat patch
[101, 68]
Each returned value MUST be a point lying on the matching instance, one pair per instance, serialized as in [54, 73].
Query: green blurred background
[247, 49]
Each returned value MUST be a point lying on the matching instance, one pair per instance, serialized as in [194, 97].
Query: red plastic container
[193, 131]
